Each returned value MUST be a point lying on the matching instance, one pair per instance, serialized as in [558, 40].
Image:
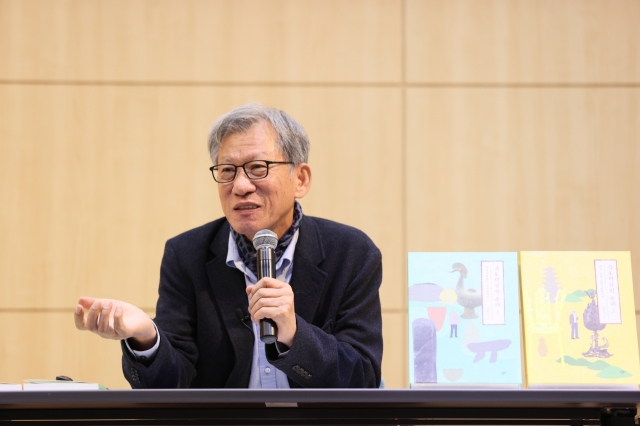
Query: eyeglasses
[257, 169]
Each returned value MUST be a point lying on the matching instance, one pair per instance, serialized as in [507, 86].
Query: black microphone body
[266, 255]
[267, 268]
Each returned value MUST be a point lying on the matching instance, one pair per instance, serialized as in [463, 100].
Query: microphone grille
[265, 238]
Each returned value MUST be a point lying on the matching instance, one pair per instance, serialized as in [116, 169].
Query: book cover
[579, 319]
[464, 320]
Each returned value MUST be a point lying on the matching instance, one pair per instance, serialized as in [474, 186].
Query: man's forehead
[258, 139]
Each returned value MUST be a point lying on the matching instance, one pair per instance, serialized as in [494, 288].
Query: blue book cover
[464, 319]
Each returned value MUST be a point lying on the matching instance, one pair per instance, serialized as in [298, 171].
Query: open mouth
[246, 208]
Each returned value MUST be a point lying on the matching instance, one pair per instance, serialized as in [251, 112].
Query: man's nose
[242, 184]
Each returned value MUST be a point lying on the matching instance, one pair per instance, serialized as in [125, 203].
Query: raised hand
[114, 319]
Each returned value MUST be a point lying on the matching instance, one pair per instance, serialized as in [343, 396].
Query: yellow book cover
[579, 319]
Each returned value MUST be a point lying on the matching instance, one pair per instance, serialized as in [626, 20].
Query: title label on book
[493, 292]
[608, 291]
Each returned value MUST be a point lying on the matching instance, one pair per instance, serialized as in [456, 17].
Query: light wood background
[436, 125]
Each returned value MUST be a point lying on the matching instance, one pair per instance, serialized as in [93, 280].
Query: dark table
[323, 407]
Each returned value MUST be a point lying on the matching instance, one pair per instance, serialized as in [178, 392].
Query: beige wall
[436, 125]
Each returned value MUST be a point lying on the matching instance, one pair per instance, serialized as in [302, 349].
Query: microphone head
[265, 238]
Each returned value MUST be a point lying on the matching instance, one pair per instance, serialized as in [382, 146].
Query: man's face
[253, 205]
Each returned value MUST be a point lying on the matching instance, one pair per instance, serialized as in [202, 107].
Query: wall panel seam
[402, 85]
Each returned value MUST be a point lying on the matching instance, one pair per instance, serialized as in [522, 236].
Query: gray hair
[292, 140]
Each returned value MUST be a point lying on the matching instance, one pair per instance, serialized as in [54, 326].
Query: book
[59, 385]
[464, 320]
[10, 387]
[579, 320]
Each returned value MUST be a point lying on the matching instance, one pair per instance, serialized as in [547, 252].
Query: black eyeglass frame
[235, 174]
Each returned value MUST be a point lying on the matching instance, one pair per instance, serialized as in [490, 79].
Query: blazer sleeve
[174, 363]
[347, 351]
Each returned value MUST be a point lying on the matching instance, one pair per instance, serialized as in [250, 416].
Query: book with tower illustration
[464, 320]
[579, 320]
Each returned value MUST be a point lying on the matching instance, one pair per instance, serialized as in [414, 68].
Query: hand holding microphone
[271, 301]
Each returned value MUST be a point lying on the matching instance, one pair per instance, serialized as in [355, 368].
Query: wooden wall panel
[523, 41]
[524, 169]
[191, 40]
[395, 371]
[99, 177]
[355, 161]
[43, 345]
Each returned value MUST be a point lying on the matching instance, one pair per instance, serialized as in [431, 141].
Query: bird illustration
[468, 298]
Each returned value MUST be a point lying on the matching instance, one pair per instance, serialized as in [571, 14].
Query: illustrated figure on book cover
[573, 320]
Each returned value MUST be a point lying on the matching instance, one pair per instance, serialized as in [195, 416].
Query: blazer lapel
[308, 281]
[228, 286]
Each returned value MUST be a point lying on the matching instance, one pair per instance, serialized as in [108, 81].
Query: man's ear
[302, 176]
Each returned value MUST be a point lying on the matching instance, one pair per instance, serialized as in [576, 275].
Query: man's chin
[248, 229]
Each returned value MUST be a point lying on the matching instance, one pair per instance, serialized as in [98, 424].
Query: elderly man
[324, 299]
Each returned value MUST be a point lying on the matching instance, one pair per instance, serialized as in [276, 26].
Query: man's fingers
[106, 318]
[271, 312]
[251, 290]
[118, 321]
[78, 318]
[273, 299]
[266, 282]
[92, 316]
[265, 293]
[269, 292]
[268, 302]
[105, 314]
[86, 302]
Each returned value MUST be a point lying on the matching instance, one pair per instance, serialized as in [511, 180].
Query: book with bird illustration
[579, 319]
[464, 320]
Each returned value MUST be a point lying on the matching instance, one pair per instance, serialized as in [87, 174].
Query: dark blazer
[337, 271]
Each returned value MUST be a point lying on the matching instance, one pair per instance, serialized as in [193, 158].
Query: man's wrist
[144, 343]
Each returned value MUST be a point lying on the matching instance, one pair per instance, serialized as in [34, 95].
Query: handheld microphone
[265, 243]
